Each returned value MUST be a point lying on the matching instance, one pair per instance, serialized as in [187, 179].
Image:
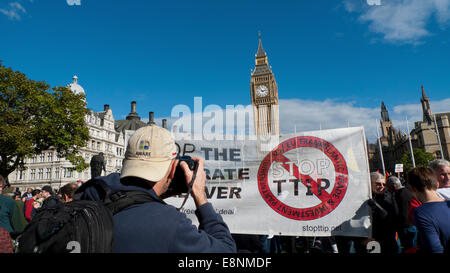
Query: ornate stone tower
[386, 122]
[427, 115]
[264, 94]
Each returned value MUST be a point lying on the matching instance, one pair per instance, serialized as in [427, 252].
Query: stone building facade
[432, 134]
[48, 169]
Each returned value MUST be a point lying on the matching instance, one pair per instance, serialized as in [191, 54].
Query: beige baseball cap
[149, 153]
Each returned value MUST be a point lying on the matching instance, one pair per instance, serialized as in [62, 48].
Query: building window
[20, 175]
[57, 173]
[32, 174]
[41, 174]
[67, 173]
[49, 173]
[50, 157]
[42, 157]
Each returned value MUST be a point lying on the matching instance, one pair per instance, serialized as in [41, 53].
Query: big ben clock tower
[264, 93]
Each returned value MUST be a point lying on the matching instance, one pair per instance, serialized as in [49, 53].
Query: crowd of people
[410, 215]
[413, 213]
[17, 209]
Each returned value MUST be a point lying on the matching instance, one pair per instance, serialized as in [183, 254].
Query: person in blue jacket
[156, 227]
[432, 218]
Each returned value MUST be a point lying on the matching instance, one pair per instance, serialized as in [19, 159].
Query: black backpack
[80, 226]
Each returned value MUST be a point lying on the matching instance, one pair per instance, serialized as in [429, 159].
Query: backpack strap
[102, 188]
[116, 201]
[123, 199]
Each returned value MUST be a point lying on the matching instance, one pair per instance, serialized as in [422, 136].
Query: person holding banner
[432, 218]
[384, 215]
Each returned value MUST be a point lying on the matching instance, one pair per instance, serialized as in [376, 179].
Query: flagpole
[410, 145]
[438, 137]
[379, 145]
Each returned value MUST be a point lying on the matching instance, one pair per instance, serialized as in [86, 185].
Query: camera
[178, 185]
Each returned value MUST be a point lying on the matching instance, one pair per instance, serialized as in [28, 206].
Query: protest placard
[309, 184]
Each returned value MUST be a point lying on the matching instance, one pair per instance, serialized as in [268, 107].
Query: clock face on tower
[262, 91]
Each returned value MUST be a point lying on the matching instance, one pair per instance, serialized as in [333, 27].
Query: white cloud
[298, 115]
[402, 21]
[414, 113]
[303, 115]
[14, 11]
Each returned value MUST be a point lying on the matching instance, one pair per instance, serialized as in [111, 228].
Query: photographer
[149, 166]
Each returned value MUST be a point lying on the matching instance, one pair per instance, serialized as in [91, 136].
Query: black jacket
[156, 227]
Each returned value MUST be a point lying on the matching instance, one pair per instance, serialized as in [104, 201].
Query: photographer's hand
[198, 188]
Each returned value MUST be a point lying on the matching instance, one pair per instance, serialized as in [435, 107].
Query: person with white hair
[406, 230]
[378, 183]
[441, 168]
[383, 215]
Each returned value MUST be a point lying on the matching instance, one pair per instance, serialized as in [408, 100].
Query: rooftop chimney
[150, 118]
[133, 114]
[106, 107]
[164, 123]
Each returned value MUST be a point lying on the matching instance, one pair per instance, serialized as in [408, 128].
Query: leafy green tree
[421, 158]
[35, 117]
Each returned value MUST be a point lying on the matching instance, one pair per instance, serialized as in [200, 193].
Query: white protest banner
[307, 184]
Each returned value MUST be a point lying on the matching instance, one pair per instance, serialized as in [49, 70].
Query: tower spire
[426, 106]
[384, 113]
[261, 53]
[424, 95]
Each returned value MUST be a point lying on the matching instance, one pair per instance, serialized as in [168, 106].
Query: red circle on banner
[329, 200]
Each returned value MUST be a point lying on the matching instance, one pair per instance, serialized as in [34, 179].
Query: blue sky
[341, 56]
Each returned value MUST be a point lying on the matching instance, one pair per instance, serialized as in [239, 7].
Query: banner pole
[410, 145]
[381, 149]
[438, 137]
